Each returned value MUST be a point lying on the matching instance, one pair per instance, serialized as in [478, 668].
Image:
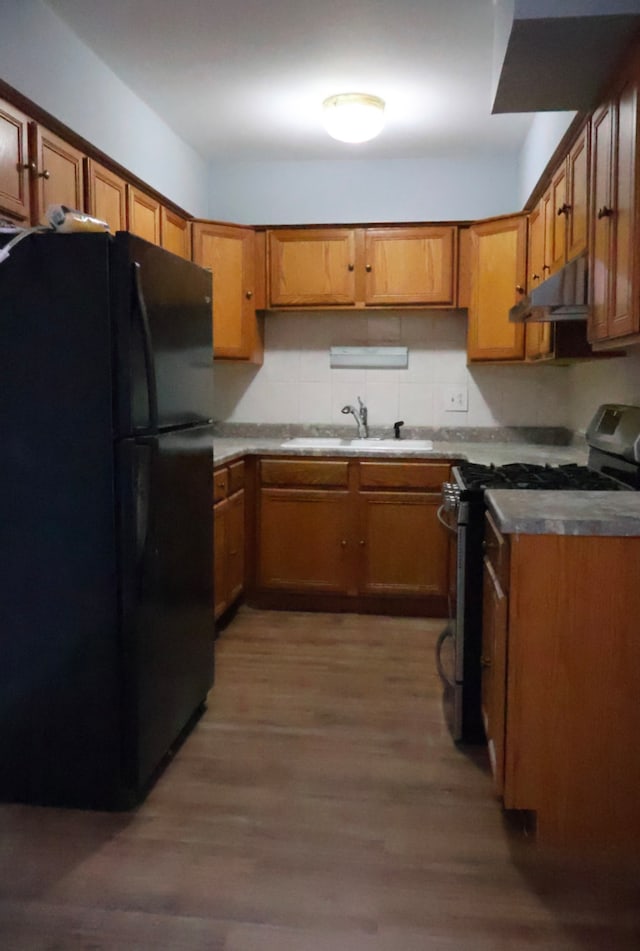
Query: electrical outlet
[455, 398]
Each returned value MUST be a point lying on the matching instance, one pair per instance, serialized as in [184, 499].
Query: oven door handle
[442, 637]
[444, 521]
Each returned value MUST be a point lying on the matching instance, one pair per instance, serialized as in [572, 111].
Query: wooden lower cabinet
[351, 535]
[228, 536]
[561, 683]
[403, 549]
[304, 543]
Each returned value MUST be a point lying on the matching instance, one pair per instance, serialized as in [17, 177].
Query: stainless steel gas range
[613, 465]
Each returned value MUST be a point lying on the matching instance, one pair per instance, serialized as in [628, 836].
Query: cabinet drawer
[403, 475]
[304, 472]
[220, 484]
[236, 476]
[496, 548]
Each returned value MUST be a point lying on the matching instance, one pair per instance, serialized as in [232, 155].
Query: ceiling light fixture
[353, 116]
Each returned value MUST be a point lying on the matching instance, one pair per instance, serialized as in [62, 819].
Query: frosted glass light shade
[353, 116]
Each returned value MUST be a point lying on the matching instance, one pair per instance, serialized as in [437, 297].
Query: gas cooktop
[519, 475]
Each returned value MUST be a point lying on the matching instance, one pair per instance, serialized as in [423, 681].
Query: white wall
[437, 189]
[296, 384]
[45, 61]
[541, 142]
[609, 381]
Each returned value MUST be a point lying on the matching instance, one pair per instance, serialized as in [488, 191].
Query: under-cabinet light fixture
[353, 116]
[370, 358]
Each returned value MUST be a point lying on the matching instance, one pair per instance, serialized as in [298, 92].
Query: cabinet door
[144, 215]
[14, 159]
[410, 266]
[600, 250]
[577, 196]
[106, 195]
[228, 252]
[559, 208]
[174, 230]
[498, 275]
[403, 548]
[235, 546]
[623, 317]
[304, 541]
[494, 668]
[57, 176]
[312, 267]
[220, 561]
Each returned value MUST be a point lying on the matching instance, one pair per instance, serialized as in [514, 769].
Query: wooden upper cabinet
[106, 195]
[556, 256]
[498, 277]
[410, 266]
[57, 175]
[175, 233]
[614, 259]
[566, 231]
[228, 251]
[312, 267]
[144, 215]
[14, 159]
[577, 235]
[363, 267]
[464, 266]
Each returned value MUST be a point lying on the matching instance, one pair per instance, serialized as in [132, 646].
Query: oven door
[450, 643]
[459, 645]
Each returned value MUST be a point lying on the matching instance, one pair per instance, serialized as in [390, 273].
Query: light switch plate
[455, 398]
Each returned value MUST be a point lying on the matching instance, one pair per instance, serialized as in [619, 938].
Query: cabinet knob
[564, 209]
[605, 212]
[249, 295]
[367, 267]
[545, 267]
[351, 267]
[485, 661]
[28, 167]
[520, 289]
[361, 542]
[535, 277]
[45, 173]
[343, 543]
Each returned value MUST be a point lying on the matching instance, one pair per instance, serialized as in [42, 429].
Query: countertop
[225, 449]
[520, 511]
[565, 513]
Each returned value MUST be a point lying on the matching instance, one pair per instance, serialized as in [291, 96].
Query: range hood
[563, 296]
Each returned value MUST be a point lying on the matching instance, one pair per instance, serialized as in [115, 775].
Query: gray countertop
[225, 449]
[515, 511]
[565, 513]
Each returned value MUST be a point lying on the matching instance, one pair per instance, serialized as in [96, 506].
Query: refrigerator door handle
[140, 309]
[142, 492]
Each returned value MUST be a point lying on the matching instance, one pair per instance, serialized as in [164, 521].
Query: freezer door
[166, 530]
[161, 307]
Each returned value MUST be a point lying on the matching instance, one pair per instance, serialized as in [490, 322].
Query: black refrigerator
[106, 627]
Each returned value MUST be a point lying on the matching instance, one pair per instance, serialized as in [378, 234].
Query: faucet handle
[396, 427]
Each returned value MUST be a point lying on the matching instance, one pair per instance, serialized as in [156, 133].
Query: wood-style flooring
[319, 805]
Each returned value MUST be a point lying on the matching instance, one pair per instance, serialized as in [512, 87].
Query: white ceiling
[245, 79]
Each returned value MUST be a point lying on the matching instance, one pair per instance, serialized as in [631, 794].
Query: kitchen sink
[368, 445]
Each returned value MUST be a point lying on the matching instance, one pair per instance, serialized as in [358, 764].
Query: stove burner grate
[518, 475]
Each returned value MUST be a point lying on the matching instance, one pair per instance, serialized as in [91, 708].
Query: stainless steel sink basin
[372, 444]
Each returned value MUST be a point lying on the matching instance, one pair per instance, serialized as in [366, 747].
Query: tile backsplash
[297, 385]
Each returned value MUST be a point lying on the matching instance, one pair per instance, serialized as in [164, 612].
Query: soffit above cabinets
[556, 55]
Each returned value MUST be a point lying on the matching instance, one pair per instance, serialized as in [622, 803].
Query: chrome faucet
[360, 416]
